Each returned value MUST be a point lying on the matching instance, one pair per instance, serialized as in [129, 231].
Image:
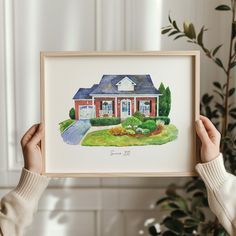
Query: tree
[72, 113]
[164, 100]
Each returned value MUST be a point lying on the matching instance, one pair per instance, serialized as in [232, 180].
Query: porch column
[116, 107]
[135, 103]
[157, 106]
[94, 109]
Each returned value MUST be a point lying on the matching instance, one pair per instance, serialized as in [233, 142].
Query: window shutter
[113, 106]
[150, 106]
[138, 106]
[101, 105]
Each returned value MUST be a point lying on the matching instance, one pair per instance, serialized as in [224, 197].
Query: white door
[86, 112]
[125, 110]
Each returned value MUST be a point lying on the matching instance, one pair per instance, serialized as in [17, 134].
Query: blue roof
[107, 85]
[84, 93]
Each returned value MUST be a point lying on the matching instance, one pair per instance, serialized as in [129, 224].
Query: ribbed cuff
[213, 173]
[31, 185]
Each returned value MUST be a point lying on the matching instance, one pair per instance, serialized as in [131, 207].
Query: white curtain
[32, 26]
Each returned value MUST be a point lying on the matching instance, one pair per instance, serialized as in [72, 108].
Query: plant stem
[228, 74]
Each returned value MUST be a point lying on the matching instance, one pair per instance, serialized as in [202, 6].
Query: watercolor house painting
[121, 110]
[118, 96]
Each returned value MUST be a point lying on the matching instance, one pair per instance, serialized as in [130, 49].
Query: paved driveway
[74, 133]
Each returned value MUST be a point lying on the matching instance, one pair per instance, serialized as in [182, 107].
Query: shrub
[139, 115]
[103, 121]
[72, 113]
[131, 123]
[146, 131]
[161, 118]
[118, 131]
[130, 131]
[149, 124]
[139, 131]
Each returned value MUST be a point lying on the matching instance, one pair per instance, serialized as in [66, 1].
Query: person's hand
[31, 147]
[210, 139]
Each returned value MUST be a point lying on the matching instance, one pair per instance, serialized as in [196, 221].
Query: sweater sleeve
[221, 187]
[18, 207]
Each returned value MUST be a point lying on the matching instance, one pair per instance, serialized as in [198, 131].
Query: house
[117, 96]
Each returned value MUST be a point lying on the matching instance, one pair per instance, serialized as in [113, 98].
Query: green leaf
[220, 94]
[231, 126]
[178, 214]
[233, 30]
[164, 31]
[170, 20]
[233, 109]
[217, 85]
[231, 92]
[233, 64]
[173, 33]
[191, 222]
[200, 36]
[233, 115]
[179, 36]
[219, 62]
[221, 108]
[175, 25]
[173, 224]
[189, 230]
[173, 205]
[169, 233]
[161, 200]
[216, 49]
[223, 7]
[191, 31]
[206, 99]
[152, 231]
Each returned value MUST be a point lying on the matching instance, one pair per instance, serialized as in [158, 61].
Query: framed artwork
[120, 113]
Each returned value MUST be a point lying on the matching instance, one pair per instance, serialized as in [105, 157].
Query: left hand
[31, 147]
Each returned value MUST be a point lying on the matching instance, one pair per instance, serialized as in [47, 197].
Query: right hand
[210, 139]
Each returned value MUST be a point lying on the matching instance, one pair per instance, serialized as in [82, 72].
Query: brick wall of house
[79, 103]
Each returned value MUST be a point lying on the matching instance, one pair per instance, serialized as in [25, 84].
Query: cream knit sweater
[221, 190]
[18, 207]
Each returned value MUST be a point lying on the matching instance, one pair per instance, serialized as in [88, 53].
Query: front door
[125, 109]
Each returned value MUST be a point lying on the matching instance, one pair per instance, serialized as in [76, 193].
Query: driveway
[74, 133]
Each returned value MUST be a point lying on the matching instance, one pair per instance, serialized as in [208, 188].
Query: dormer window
[126, 84]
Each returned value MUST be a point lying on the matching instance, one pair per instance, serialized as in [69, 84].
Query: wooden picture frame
[101, 92]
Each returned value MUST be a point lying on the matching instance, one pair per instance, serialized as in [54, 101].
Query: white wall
[88, 206]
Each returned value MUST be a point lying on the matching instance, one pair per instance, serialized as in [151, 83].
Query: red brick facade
[97, 103]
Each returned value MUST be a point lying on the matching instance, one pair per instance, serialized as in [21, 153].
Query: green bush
[72, 113]
[130, 131]
[149, 124]
[139, 131]
[131, 123]
[146, 131]
[139, 115]
[103, 121]
[162, 118]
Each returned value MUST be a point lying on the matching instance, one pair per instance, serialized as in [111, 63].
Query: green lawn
[64, 124]
[104, 138]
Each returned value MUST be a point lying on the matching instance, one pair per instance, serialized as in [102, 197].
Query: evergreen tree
[164, 100]
[168, 101]
[72, 113]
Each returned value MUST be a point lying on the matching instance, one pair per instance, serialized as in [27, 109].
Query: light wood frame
[195, 106]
